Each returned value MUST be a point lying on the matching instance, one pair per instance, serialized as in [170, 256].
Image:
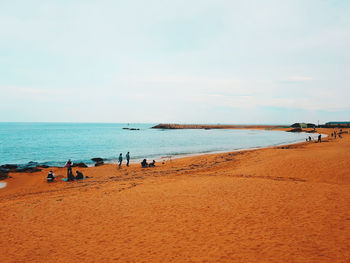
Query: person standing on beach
[120, 159]
[319, 138]
[70, 176]
[127, 158]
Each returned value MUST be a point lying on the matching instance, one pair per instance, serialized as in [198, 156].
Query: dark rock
[312, 131]
[131, 129]
[4, 170]
[9, 166]
[27, 170]
[99, 163]
[97, 159]
[28, 165]
[295, 130]
[3, 173]
[43, 166]
[79, 165]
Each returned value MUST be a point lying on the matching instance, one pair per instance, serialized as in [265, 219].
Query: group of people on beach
[335, 133]
[127, 156]
[70, 177]
[144, 164]
[120, 159]
[319, 138]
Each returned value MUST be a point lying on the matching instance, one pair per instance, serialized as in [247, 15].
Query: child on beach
[50, 177]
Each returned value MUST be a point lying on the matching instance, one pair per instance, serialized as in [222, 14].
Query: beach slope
[279, 204]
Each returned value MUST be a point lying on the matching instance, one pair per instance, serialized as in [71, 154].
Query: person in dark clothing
[319, 138]
[152, 164]
[127, 158]
[120, 159]
[70, 176]
[144, 163]
[309, 138]
[79, 175]
[50, 177]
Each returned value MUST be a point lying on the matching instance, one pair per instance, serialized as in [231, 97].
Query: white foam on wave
[3, 184]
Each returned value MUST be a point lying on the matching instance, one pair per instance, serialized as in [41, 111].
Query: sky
[176, 61]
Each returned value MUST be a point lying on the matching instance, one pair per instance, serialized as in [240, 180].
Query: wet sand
[278, 204]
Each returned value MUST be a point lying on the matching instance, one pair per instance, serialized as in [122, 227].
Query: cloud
[299, 79]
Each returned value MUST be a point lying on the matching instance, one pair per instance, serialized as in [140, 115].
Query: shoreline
[180, 157]
[285, 203]
[160, 157]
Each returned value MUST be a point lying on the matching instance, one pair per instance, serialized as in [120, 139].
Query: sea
[54, 143]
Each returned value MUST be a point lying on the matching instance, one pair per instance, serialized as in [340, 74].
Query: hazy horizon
[203, 62]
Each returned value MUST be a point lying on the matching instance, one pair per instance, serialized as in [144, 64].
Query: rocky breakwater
[211, 126]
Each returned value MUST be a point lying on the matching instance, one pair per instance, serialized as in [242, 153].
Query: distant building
[303, 125]
[338, 124]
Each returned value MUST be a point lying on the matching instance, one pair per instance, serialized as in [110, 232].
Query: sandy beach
[278, 204]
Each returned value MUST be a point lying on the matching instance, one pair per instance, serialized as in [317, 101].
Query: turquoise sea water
[54, 143]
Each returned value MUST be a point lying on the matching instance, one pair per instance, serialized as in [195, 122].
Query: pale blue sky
[175, 61]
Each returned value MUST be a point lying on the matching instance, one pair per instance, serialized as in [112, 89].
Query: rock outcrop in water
[131, 129]
[9, 166]
[98, 161]
[30, 167]
[81, 164]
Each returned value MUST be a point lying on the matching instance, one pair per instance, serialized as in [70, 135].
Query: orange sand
[280, 204]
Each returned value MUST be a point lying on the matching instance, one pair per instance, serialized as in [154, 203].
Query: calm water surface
[54, 143]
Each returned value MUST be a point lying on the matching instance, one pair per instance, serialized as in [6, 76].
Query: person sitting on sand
[144, 163]
[152, 164]
[79, 175]
[50, 177]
